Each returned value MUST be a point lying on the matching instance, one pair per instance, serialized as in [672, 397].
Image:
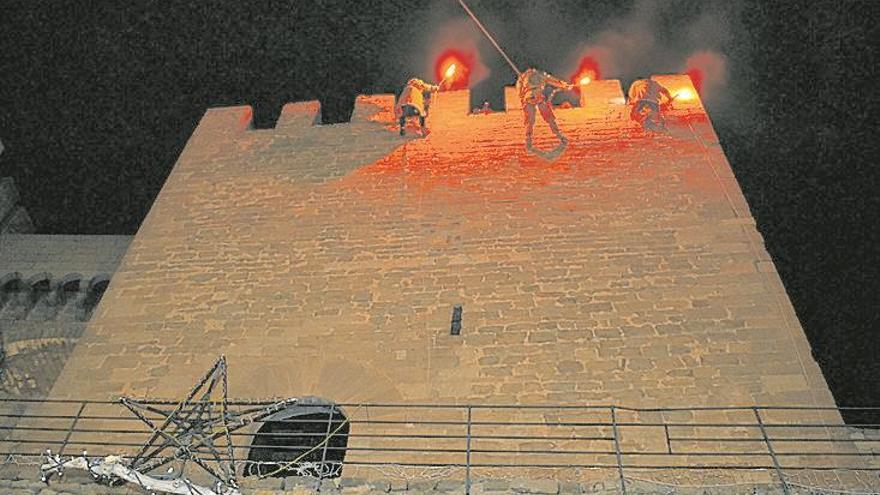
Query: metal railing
[787, 443]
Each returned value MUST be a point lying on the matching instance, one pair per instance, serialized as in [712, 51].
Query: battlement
[597, 99]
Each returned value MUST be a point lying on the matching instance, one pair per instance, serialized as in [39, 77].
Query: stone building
[49, 287]
[327, 261]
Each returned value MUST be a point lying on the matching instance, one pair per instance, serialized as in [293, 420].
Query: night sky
[98, 99]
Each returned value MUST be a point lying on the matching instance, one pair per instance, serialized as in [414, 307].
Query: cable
[495, 43]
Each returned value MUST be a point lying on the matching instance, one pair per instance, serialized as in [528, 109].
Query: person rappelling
[414, 101]
[644, 96]
[530, 86]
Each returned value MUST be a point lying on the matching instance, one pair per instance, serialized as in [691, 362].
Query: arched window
[291, 442]
[42, 305]
[16, 298]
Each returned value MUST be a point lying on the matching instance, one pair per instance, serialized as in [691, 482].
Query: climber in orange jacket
[644, 96]
[530, 86]
[414, 102]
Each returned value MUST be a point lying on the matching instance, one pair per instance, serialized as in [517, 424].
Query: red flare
[587, 72]
[460, 76]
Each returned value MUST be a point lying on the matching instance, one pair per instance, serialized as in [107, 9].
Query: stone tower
[326, 260]
[331, 261]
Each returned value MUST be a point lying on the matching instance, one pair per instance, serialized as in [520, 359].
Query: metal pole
[668, 442]
[224, 411]
[486, 32]
[326, 442]
[772, 452]
[467, 473]
[72, 426]
[617, 449]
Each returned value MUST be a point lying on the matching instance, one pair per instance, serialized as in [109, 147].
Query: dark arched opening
[9, 289]
[291, 442]
[93, 297]
[69, 290]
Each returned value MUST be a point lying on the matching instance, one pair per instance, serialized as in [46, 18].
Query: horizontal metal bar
[503, 423]
[511, 452]
[554, 466]
[352, 436]
[775, 440]
[245, 402]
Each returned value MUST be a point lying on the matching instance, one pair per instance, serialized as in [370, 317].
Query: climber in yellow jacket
[414, 102]
[530, 86]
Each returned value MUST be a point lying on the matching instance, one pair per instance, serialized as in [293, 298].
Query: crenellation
[299, 115]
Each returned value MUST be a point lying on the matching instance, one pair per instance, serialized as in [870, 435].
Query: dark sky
[97, 100]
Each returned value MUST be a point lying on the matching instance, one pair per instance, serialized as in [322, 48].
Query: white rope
[396, 471]
[486, 32]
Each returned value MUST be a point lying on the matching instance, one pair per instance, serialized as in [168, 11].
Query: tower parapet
[14, 219]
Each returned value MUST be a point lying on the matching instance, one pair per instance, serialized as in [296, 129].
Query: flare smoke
[666, 37]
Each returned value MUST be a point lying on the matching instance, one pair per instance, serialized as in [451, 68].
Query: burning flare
[453, 68]
[586, 73]
[684, 95]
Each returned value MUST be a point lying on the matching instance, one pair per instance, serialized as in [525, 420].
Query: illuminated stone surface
[325, 260]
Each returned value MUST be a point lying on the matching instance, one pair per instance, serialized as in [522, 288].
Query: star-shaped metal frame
[190, 431]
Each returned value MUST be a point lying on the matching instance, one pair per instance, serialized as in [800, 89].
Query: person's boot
[402, 132]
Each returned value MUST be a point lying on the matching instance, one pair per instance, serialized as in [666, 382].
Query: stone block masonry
[49, 287]
[326, 260]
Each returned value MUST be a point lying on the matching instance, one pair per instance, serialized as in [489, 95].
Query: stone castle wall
[630, 267]
[326, 261]
[49, 288]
